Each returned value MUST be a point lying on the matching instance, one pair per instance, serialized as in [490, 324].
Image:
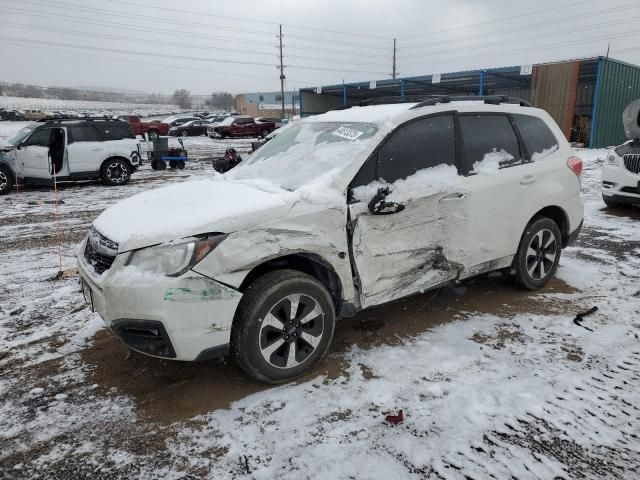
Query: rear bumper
[574, 235]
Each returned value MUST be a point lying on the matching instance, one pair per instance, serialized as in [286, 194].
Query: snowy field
[494, 382]
[22, 103]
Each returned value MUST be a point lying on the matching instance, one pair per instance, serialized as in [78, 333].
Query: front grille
[100, 262]
[632, 162]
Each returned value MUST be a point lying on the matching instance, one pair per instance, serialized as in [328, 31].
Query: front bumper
[620, 184]
[182, 318]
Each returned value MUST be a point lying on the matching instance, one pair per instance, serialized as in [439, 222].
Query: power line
[266, 22]
[501, 19]
[542, 47]
[177, 44]
[527, 38]
[519, 29]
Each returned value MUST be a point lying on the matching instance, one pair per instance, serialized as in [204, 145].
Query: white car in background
[338, 213]
[621, 169]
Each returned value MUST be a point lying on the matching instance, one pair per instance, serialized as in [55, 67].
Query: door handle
[528, 179]
[454, 197]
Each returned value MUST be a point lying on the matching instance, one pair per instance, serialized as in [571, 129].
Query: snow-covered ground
[494, 382]
[22, 103]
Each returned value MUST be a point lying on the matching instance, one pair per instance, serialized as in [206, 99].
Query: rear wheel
[539, 253]
[184, 133]
[264, 133]
[153, 133]
[283, 326]
[611, 203]
[115, 172]
[7, 179]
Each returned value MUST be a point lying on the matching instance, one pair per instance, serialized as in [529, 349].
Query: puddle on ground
[169, 391]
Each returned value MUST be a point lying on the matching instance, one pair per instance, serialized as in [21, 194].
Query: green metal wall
[619, 86]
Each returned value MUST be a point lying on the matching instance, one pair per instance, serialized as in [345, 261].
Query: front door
[33, 156]
[402, 247]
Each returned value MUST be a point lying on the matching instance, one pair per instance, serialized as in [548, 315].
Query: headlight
[174, 259]
[612, 160]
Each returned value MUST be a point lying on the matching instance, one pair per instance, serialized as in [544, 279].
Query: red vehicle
[243, 126]
[153, 128]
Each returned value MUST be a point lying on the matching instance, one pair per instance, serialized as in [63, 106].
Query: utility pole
[393, 72]
[282, 77]
[293, 104]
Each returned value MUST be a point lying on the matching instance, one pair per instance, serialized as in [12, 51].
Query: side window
[538, 139]
[116, 131]
[489, 139]
[83, 133]
[41, 137]
[423, 143]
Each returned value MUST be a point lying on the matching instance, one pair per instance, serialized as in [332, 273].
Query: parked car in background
[621, 169]
[70, 149]
[189, 129]
[153, 128]
[242, 126]
[398, 200]
[15, 115]
[276, 121]
[34, 115]
[178, 120]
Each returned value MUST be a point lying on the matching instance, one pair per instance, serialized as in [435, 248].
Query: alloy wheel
[541, 254]
[117, 173]
[3, 180]
[291, 331]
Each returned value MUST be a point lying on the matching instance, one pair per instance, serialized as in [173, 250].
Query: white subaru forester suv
[341, 212]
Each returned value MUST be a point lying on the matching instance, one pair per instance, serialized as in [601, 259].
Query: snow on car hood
[6, 146]
[187, 209]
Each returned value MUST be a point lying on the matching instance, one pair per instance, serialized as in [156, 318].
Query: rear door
[496, 193]
[404, 249]
[85, 146]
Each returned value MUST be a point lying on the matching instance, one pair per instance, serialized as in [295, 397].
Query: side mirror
[379, 205]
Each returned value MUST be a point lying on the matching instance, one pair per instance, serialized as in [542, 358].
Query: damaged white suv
[341, 212]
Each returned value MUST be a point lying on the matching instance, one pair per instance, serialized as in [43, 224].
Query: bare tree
[182, 97]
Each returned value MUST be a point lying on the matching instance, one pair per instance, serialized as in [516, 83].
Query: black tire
[611, 203]
[115, 171]
[538, 254]
[184, 133]
[153, 133]
[252, 339]
[264, 133]
[173, 164]
[7, 179]
[180, 164]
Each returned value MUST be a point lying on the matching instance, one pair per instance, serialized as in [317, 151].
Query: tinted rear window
[485, 134]
[115, 131]
[83, 133]
[537, 138]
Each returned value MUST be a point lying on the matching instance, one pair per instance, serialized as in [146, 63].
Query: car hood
[6, 146]
[187, 209]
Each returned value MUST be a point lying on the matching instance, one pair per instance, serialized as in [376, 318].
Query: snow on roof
[369, 114]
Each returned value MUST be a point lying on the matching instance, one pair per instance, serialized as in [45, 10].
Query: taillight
[575, 164]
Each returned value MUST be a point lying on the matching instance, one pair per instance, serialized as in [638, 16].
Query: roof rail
[488, 99]
[87, 119]
[386, 100]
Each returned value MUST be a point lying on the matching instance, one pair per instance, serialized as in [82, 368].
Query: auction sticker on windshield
[348, 133]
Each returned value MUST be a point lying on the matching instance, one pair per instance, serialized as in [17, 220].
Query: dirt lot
[495, 382]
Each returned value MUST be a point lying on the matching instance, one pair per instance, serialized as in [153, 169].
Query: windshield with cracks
[304, 152]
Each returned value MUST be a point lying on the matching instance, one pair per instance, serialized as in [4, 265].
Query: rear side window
[489, 142]
[83, 133]
[116, 131]
[538, 139]
[424, 143]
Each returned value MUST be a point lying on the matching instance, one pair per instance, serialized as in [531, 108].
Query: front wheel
[283, 326]
[6, 179]
[538, 254]
[115, 172]
[153, 134]
[264, 133]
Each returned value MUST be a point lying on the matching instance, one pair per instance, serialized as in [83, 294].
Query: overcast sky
[195, 44]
